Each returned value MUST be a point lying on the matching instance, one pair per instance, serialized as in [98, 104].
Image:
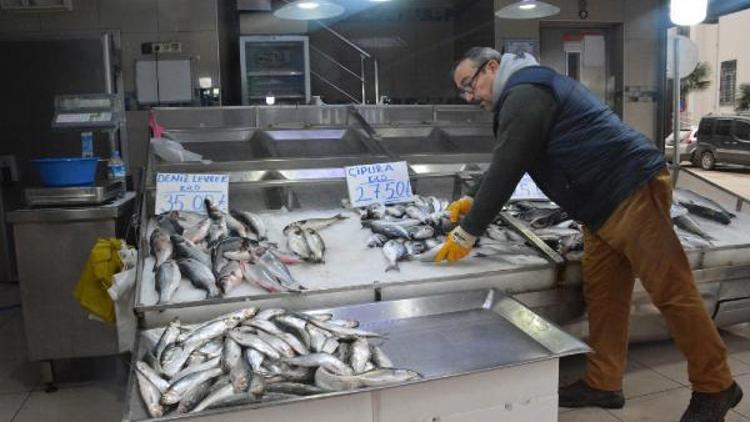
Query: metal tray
[439, 336]
[77, 195]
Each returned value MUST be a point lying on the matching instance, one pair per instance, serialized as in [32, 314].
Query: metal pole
[377, 81]
[362, 67]
[676, 109]
[108, 84]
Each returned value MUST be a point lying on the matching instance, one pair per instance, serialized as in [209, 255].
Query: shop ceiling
[717, 8]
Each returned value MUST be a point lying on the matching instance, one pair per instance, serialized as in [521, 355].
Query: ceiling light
[688, 12]
[309, 10]
[528, 9]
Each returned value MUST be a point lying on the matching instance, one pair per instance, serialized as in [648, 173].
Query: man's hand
[459, 208]
[456, 246]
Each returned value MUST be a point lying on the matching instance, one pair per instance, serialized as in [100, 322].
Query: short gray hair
[478, 56]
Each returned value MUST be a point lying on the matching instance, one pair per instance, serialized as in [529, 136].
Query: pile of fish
[685, 202]
[550, 223]
[501, 242]
[304, 240]
[249, 356]
[217, 253]
[413, 230]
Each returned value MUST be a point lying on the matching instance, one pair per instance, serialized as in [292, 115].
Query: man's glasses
[468, 87]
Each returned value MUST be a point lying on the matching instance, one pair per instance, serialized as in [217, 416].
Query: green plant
[697, 80]
[743, 99]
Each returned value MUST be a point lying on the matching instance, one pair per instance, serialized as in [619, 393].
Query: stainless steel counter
[52, 246]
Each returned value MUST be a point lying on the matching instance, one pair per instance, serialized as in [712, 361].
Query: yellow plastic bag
[91, 290]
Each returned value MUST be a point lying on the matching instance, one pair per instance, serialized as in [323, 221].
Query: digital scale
[87, 112]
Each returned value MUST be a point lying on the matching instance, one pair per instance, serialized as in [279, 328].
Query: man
[612, 179]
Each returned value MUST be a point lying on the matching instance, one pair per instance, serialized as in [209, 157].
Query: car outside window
[742, 130]
[706, 127]
[724, 128]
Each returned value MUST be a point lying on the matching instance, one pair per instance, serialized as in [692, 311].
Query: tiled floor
[656, 384]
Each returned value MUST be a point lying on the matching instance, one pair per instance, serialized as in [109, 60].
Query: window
[728, 82]
[706, 127]
[724, 128]
[742, 130]
[574, 65]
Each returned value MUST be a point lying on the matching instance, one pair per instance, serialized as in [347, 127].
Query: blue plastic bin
[73, 171]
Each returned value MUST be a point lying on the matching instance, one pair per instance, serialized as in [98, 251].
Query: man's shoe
[712, 407]
[579, 394]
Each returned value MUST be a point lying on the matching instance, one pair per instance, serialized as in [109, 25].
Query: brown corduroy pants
[638, 239]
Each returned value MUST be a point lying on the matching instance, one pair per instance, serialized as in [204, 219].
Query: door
[741, 142]
[722, 140]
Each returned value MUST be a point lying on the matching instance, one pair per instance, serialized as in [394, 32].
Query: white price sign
[187, 192]
[385, 183]
[527, 189]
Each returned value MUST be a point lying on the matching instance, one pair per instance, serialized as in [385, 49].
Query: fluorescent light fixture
[528, 9]
[307, 10]
[204, 82]
[270, 100]
[688, 12]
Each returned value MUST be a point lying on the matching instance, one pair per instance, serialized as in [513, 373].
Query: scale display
[89, 111]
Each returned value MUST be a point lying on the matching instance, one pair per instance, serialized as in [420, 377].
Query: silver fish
[150, 395]
[297, 325]
[280, 345]
[314, 223]
[377, 240]
[215, 398]
[194, 396]
[431, 243]
[168, 278]
[169, 222]
[191, 369]
[257, 384]
[212, 349]
[376, 211]
[343, 332]
[314, 360]
[217, 231]
[231, 354]
[213, 330]
[230, 277]
[329, 381]
[392, 231]
[240, 375]
[270, 313]
[251, 340]
[702, 206]
[174, 358]
[316, 244]
[385, 376]
[235, 227]
[279, 270]
[160, 383]
[686, 223]
[380, 358]
[421, 232]
[252, 221]
[168, 337]
[198, 232]
[200, 275]
[264, 325]
[294, 343]
[393, 252]
[429, 255]
[296, 242]
[417, 213]
[360, 355]
[255, 359]
[294, 388]
[161, 246]
[317, 337]
[344, 352]
[261, 277]
[414, 248]
[330, 346]
[397, 211]
[184, 248]
[177, 390]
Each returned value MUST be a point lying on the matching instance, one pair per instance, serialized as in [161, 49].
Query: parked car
[723, 139]
[686, 144]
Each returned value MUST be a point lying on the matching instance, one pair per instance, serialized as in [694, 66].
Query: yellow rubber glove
[459, 208]
[456, 246]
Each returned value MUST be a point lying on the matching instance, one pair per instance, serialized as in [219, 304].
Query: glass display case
[277, 67]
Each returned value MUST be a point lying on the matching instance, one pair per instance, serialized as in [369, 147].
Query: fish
[177, 390]
[261, 277]
[393, 252]
[340, 331]
[168, 278]
[702, 206]
[429, 255]
[201, 276]
[217, 231]
[230, 354]
[294, 388]
[168, 337]
[270, 313]
[150, 395]
[417, 213]
[193, 397]
[230, 277]
[421, 232]
[254, 358]
[297, 326]
[184, 248]
[198, 232]
[360, 355]
[240, 375]
[316, 244]
[392, 231]
[252, 340]
[280, 345]
[214, 398]
[296, 242]
[376, 211]
[330, 345]
[380, 358]
[161, 247]
[414, 248]
[315, 224]
[344, 351]
[377, 240]
[397, 211]
[317, 337]
[235, 227]
[191, 369]
[252, 221]
[385, 376]
[169, 222]
[314, 360]
[405, 223]
[157, 381]
[686, 223]
[212, 330]
[329, 381]
[349, 323]
[271, 262]
[264, 325]
[294, 343]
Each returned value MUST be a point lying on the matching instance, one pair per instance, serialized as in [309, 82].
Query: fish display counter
[384, 362]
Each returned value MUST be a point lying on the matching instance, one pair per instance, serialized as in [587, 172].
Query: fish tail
[393, 266]
[340, 216]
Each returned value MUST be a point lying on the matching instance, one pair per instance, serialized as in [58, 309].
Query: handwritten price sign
[386, 183]
[187, 192]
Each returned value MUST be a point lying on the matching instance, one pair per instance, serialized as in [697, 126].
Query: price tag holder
[385, 183]
[527, 190]
[187, 192]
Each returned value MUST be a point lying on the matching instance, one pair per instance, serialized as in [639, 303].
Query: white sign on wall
[188, 192]
[385, 183]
